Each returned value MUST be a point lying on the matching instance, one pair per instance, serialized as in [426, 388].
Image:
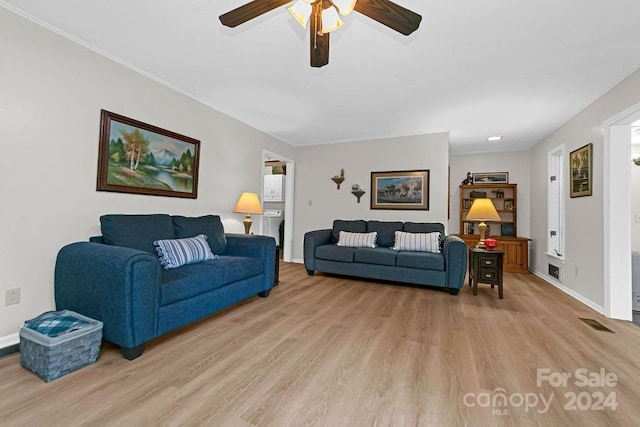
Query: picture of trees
[135, 157]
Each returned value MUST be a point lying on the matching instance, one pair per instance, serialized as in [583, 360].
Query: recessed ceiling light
[494, 138]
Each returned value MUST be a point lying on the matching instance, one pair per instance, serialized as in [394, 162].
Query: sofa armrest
[116, 285]
[455, 260]
[253, 245]
[312, 240]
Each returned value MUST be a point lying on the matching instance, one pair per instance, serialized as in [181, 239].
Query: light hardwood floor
[335, 351]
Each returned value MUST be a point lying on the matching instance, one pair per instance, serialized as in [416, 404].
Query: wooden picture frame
[491, 178]
[581, 171]
[139, 158]
[400, 190]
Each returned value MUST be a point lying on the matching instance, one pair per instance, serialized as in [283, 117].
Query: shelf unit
[504, 198]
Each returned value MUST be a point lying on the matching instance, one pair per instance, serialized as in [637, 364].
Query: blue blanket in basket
[54, 324]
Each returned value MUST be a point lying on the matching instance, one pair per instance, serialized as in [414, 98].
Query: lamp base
[483, 233]
[247, 224]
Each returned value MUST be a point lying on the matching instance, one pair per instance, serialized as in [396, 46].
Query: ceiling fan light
[301, 11]
[345, 6]
[330, 20]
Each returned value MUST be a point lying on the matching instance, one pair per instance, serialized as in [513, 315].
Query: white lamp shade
[483, 210]
[345, 6]
[330, 20]
[301, 11]
[248, 204]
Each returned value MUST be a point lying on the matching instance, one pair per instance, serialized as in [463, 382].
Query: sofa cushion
[380, 256]
[335, 253]
[176, 252]
[420, 242]
[423, 227]
[136, 231]
[355, 226]
[385, 230]
[209, 225]
[240, 267]
[421, 260]
[357, 240]
[190, 280]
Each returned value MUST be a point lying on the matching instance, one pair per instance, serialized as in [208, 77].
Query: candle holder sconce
[338, 179]
[356, 190]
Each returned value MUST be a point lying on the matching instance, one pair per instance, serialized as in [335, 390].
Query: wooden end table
[485, 267]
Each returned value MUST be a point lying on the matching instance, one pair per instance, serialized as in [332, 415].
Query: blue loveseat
[117, 278]
[446, 269]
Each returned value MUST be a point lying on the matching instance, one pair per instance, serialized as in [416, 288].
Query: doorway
[289, 166]
[617, 214]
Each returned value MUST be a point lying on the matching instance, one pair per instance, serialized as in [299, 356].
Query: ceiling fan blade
[249, 11]
[319, 42]
[390, 14]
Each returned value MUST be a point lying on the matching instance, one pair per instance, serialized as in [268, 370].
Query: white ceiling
[518, 68]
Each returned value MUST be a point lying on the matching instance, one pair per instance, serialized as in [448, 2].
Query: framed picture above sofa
[136, 157]
[400, 190]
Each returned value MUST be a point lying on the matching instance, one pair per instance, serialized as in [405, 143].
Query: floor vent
[596, 325]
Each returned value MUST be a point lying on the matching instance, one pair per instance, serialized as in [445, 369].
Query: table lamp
[482, 210]
[248, 204]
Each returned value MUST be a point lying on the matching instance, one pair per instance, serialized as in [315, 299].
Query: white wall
[318, 202]
[514, 162]
[52, 93]
[584, 221]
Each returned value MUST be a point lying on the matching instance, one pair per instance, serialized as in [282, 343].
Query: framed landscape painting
[400, 190]
[581, 174]
[491, 178]
[136, 157]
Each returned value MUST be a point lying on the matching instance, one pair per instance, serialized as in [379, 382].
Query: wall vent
[554, 271]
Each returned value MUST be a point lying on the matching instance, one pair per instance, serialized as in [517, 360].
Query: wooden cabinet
[273, 188]
[516, 251]
[505, 199]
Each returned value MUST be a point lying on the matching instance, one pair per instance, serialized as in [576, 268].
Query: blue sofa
[446, 269]
[117, 278]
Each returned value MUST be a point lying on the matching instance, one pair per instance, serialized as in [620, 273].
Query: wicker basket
[52, 357]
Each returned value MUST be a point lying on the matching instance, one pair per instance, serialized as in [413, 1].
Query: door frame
[288, 200]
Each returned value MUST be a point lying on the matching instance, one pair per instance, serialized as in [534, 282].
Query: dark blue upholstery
[353, 226]
[190, 280]
[447, 269]
[137, 300]
[335, 253]
[422, 260]
[136, 231]
[386, 231]
[382, 256]
[209, 225]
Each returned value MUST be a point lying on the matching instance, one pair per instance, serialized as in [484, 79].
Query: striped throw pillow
[357, 240]
[176, 252]
[417, 242]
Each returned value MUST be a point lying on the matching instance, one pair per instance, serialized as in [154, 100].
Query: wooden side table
[485, 267]
[276, 278]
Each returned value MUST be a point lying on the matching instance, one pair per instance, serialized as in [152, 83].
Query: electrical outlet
[12, 296]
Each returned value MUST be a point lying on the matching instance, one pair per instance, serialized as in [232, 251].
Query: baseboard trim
[297, 261]
[592, 305]
[9, 344]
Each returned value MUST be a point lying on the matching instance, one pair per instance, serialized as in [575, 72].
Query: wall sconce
[338, 179]
[356, 190]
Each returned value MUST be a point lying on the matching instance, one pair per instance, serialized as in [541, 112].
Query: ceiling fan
[323, 18]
